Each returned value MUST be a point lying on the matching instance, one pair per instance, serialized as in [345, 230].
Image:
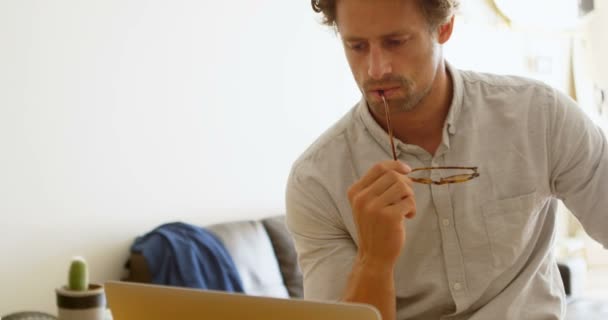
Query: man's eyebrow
[352, 38]
[399, 33]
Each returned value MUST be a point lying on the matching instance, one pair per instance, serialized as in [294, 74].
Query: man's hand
[380, 201]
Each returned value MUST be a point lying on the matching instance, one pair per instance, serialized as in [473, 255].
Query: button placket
[451, 244]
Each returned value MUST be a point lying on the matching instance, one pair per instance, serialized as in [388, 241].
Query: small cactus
[78, 278]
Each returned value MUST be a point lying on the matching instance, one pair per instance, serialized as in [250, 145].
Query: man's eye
[393, 43]
[357, 46]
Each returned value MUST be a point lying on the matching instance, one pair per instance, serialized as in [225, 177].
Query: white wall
[597, 35]
[590, 64]
[117, 116]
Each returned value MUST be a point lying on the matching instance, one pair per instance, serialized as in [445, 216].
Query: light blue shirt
[476, 250]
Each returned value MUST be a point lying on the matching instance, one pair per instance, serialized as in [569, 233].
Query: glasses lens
[458, 177]
[422, 180]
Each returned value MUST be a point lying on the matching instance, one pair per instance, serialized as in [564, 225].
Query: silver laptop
[136, 301]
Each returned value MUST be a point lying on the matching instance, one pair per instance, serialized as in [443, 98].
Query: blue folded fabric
[183, 255]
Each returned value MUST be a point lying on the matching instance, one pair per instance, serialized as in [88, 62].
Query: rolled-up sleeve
[324, 246]
[579, 166]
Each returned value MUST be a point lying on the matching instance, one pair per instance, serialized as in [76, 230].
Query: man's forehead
[376, 19]
[392, 34]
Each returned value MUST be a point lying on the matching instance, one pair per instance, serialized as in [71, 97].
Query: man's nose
[379, 63]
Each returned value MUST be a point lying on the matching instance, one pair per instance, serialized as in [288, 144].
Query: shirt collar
[458, 94]
[375, 130]
[381, 136]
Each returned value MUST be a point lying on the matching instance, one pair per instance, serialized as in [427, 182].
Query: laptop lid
[135, 301]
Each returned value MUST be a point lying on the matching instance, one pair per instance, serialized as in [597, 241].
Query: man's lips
[387, 92]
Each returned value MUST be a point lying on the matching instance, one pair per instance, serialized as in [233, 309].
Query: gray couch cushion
[286, 254]
[253, 254]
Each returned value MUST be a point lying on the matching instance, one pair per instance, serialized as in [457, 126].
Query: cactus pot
[81, 305]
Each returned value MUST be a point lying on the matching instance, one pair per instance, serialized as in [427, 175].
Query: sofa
[266, 260]
[262, 251]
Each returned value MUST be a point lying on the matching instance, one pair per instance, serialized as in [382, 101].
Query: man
[480, 249]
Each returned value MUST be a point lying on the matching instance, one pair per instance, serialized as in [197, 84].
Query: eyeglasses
[457, 178]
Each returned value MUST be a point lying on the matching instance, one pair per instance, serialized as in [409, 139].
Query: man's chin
[406, 105]
[395, 105]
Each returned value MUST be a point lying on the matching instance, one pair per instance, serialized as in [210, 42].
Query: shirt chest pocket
[510, 226]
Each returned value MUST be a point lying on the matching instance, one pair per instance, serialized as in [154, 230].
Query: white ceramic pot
[81, 305]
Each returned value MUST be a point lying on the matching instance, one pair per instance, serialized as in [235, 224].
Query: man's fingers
[375, 173]
[381, 168]
[404, 208]
[386, 181]
[398, 191]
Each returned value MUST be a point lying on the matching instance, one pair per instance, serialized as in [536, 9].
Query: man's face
[390, 48]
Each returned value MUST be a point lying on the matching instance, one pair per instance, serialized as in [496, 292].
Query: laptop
[137, 301]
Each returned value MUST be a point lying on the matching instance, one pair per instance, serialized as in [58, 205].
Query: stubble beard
[409, 102]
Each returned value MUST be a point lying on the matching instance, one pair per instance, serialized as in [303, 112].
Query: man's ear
[444, 31]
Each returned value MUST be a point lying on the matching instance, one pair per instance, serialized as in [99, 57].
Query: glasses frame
[442, 181]
[448, 179]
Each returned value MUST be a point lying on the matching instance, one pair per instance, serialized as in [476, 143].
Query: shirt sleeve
[325, 248]
[579, 165]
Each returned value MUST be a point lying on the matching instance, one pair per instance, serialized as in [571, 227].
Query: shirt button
[446, 222]
[457, 286]
[451, 129]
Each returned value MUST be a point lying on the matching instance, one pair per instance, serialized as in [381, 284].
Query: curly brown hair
[436, 12]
